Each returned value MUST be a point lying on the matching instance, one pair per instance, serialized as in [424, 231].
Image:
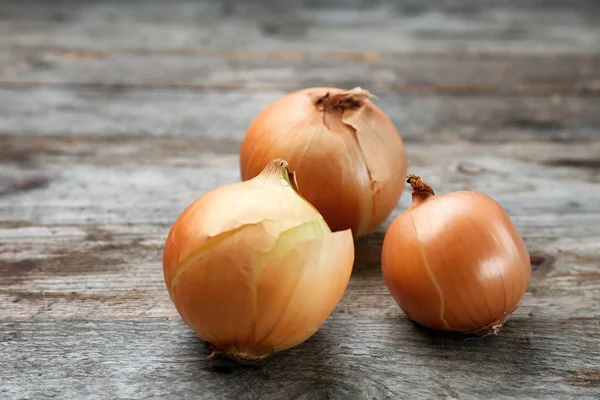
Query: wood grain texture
[459, 25]
[347, 358]
[86, 311]
[289, 70]
[114, 116]
[227, 114]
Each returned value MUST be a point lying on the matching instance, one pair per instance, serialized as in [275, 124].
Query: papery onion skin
[455, 262]
[253, 268]
[345, 150]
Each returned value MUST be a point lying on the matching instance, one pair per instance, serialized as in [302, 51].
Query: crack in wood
[415, 89]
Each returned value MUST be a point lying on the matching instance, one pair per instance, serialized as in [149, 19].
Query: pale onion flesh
[253, 268]
[346, 152]
[455, 262]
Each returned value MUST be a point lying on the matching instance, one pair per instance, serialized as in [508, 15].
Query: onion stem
[353, 99]
[421, 190]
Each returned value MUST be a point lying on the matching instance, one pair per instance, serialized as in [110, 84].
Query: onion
[455, 262]
[253, 268]
[346, 151]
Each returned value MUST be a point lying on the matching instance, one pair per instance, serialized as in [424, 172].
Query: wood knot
[541, 263]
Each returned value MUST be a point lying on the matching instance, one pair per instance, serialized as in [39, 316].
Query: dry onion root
[455, 262]
[253, 268]
[346, 151]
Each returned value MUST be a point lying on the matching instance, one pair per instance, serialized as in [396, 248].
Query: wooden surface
[114, 116]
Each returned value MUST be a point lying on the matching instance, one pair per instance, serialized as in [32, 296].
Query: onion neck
[352, 99]
[278, 169]
[421, 190]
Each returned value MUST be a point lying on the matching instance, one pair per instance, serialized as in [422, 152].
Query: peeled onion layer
[367, 132]
[196, 228]
[277, 301]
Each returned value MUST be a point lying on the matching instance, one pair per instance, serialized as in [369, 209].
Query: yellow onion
[455, 262]
[253, 268]
[345, 150]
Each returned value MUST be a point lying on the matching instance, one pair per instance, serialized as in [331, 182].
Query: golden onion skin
[455, 262]
[253, 268]
[345, 150]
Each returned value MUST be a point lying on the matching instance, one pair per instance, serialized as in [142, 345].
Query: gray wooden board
[114, 116]
[348, 358]
[86, 313]
[459, 25]
[380, 72]
[227, 114]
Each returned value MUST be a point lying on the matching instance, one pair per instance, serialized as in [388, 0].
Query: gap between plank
[423, 89]
[299, 55]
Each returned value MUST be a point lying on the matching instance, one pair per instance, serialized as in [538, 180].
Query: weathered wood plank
[116, 115]
[289, 70]
[159, 357]
[465, 25]
[82, 227]
[67, 278]
[227, 115]
[80, 261]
